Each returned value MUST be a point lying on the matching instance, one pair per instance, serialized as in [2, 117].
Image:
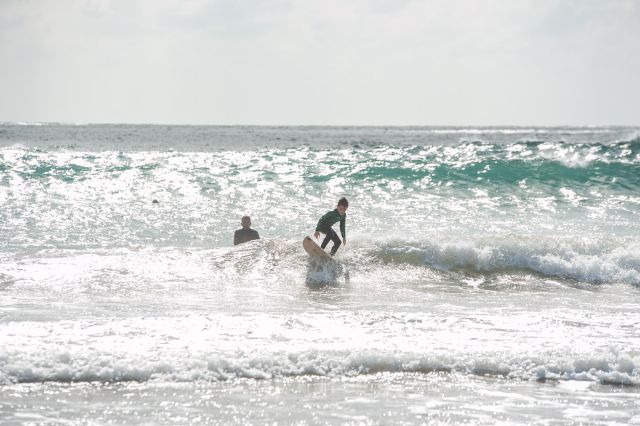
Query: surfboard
[314, 250]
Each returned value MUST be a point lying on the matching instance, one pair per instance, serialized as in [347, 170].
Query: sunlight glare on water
[491, 275]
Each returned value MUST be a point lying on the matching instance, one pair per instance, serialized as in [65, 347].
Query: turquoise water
[479, 261]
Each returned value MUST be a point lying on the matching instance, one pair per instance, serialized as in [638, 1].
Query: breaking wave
[592, 262]
[84, 365]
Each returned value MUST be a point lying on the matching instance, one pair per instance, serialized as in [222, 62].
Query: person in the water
[246, 233]
[328, 220]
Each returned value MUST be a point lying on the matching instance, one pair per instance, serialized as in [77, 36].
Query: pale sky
[316, 62]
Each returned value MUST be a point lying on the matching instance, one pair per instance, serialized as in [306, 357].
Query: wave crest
[87, 367]
[595, 263]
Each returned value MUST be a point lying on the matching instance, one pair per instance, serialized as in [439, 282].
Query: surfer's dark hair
[343, 202]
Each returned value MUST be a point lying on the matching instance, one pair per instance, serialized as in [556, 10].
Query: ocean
[491, 275]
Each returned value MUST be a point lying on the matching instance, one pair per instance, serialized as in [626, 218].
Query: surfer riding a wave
[329, 219]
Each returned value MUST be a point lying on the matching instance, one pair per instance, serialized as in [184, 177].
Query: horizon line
[106, 123]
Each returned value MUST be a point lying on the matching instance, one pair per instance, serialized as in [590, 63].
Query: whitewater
[491, 275]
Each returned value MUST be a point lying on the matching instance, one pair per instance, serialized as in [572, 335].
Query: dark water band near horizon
[491, 275]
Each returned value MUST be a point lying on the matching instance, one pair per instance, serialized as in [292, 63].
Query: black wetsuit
[244, 235]
[324, 225]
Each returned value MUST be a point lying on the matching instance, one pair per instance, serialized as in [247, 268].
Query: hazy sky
[431, 62]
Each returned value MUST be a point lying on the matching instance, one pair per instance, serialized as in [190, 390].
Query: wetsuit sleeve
[343, 231]
[320, 223]
[235, 239]
[256, 235]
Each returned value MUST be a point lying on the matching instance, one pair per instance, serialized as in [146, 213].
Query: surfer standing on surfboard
[328, 220]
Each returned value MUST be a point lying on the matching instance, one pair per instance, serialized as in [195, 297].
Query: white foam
[544, 255]
[85, 364]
